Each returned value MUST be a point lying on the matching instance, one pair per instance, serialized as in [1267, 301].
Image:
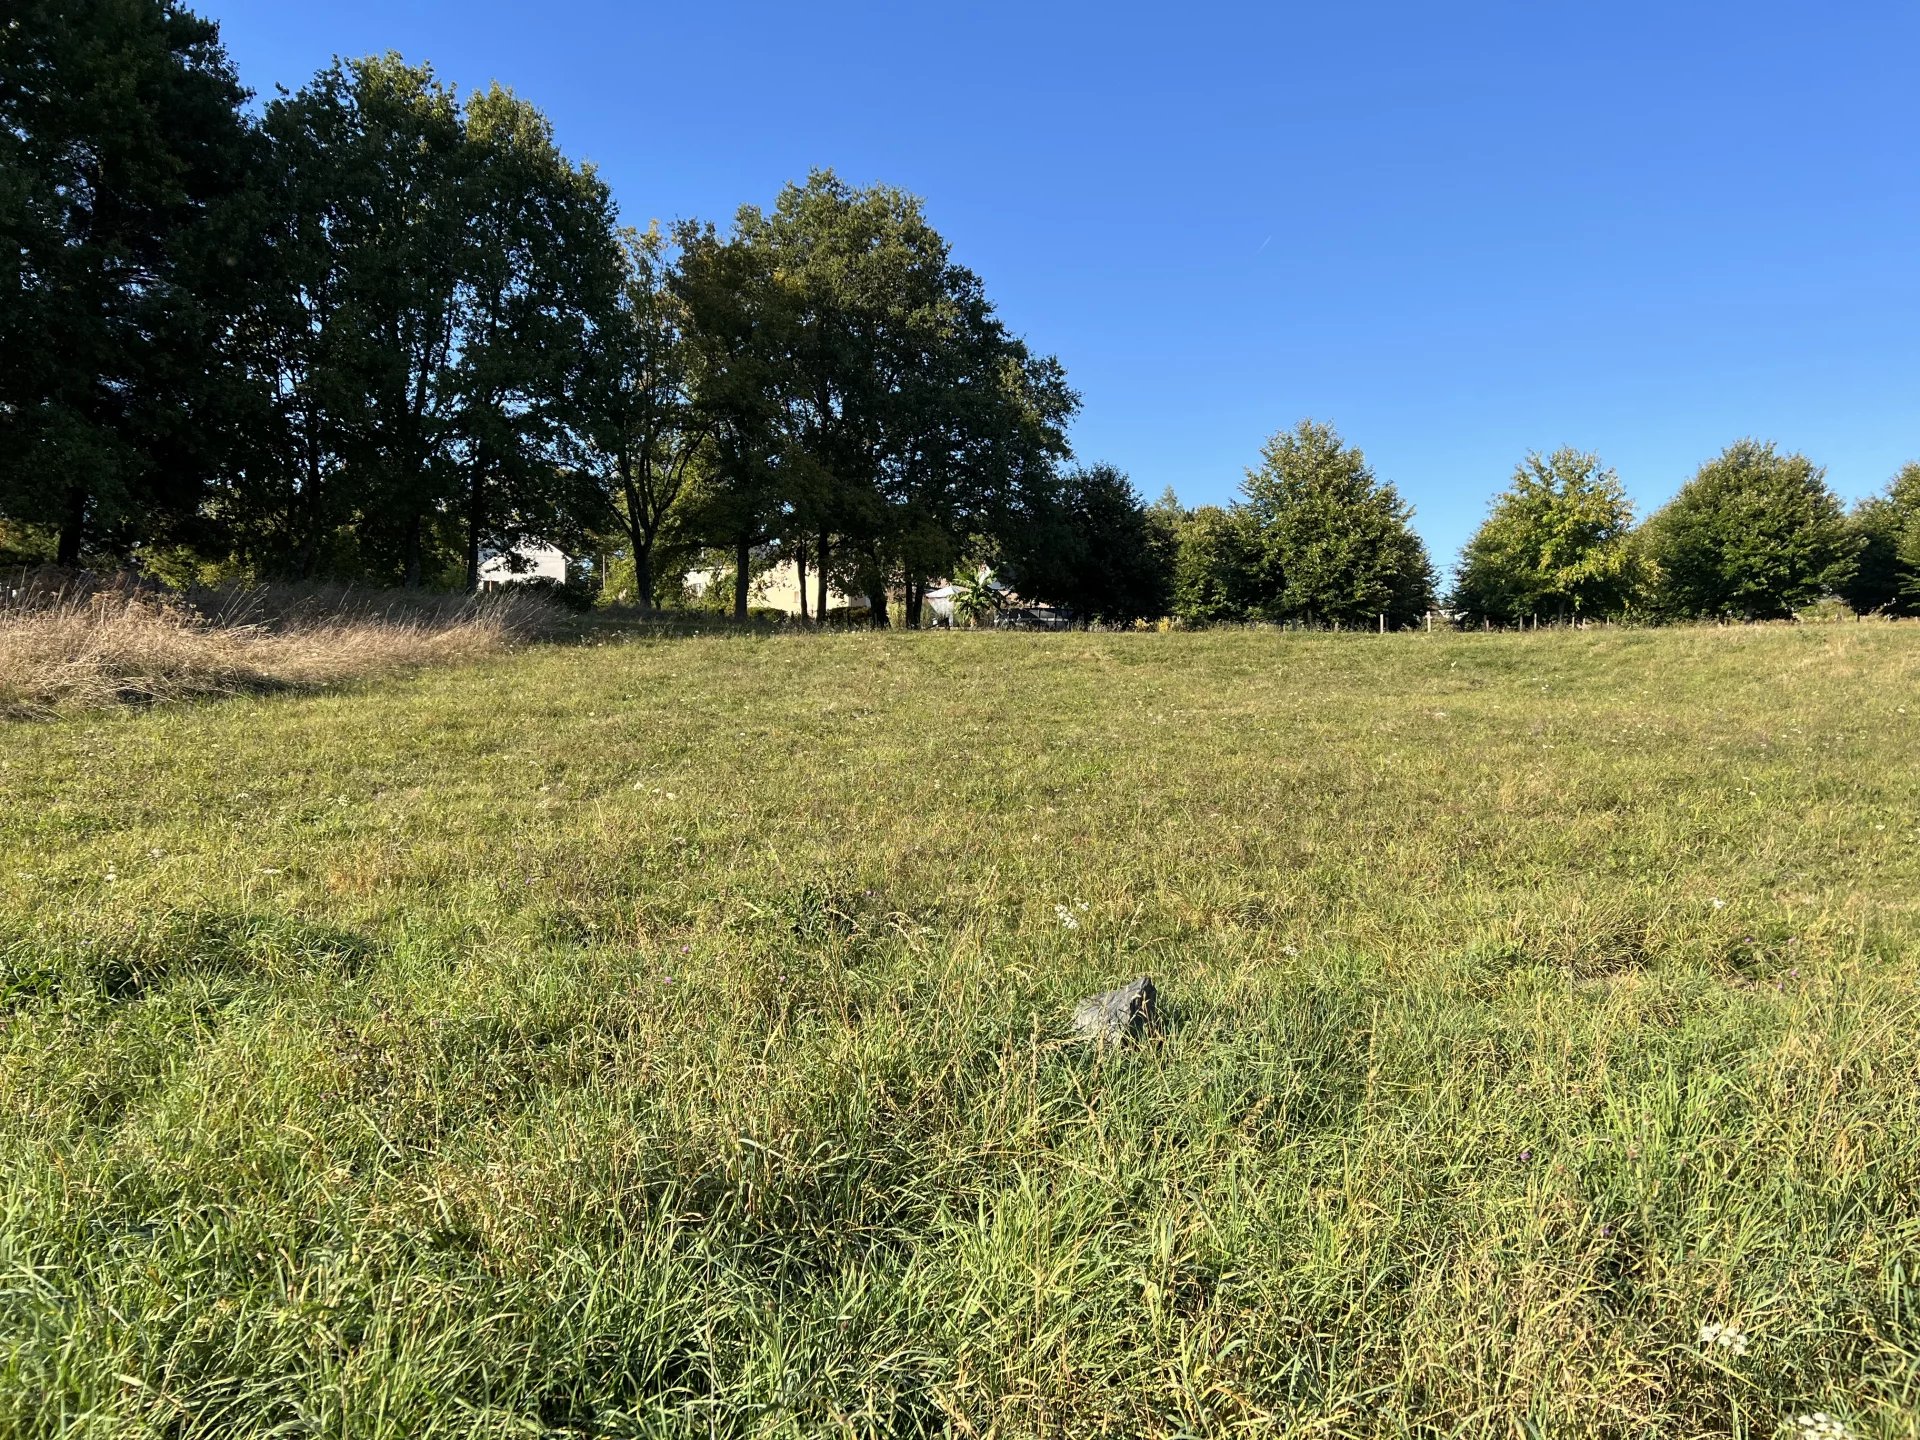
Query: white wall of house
[538, 562]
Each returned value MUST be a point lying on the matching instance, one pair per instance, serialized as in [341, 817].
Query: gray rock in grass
[1118, 1014]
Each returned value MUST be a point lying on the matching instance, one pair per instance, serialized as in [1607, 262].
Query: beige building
[779, 589]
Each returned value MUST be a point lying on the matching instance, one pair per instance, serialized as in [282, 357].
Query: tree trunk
[915, 590]
[643, 576]
[72, 528]
[307, 559]
[877, 604]
[476, 522]
[800, 572]
[742, 558]
[820, 609]
[410, 576]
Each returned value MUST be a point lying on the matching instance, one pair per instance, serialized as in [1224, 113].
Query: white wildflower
[1819, 1425]
[1067, 917]
[1718, 903]
[1728, 1337]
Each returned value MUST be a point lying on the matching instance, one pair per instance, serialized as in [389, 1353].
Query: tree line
[1756, 534]
[378, 330]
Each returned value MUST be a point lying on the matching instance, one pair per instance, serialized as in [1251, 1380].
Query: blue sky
[1458, 233]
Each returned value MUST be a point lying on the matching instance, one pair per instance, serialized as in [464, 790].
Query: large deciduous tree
[122, 148]
[1328, 543]
[1096, 551]
[643, 433]
[540, 260]
[356, 323]
[1887, 526]
[1557, 542]
[1754, 535]
[422, 323]
[911, 421]
[740, 321]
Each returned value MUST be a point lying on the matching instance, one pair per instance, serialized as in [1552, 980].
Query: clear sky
[1456, 232]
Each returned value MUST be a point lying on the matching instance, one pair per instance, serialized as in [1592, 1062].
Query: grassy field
[667, 1037]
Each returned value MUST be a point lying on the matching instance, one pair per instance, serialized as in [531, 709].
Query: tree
[912, 421]
[355, 325]
[121, 143]
[1097, 552]
[1556, 542]
[740, 323]
[541, 258]
[1329, 543]
[1754, 535]
[421, 325]
[975, 596]
[1212, 575]
[1887, 527]
[643, 435]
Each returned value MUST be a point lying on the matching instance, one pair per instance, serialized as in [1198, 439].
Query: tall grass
[670, 1037]
[72, 647]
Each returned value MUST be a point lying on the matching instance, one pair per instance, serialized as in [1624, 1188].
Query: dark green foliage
[871, 412]
[539, 260]
[1556, 543]
[1888, 529]
[643, 435]
[1327, 542]
[1096, 551]
[1754, 535]
[1211, 568]
[422, 329]
[356, 325]
[122, 152]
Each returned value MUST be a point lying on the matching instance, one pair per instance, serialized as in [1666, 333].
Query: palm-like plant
[975, 597]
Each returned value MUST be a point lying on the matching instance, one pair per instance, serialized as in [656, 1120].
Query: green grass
[667, 1038]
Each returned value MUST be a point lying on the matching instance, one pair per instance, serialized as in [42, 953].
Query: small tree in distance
[1754, 535]
[1210, 570]
[1557, 542]
[1327, 541]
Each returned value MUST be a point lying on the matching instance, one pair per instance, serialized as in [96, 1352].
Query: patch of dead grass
[83, 648]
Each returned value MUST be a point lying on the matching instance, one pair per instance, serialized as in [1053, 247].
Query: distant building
[517, 567]
[779, 589]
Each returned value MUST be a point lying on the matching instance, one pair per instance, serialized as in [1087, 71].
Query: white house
[516, 567]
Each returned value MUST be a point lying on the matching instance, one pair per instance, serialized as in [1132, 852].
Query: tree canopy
[122, 149]
[1097, 551]
[1887, 527]
[383, 328]
[1326, 541]
[1754, 535]
[1557, 542]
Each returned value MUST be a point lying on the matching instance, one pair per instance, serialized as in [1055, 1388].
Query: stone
[1117, 1015]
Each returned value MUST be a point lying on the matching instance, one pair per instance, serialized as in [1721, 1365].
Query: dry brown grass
[80, 646]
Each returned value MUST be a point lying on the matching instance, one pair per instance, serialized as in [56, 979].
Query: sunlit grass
[670, 1037]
